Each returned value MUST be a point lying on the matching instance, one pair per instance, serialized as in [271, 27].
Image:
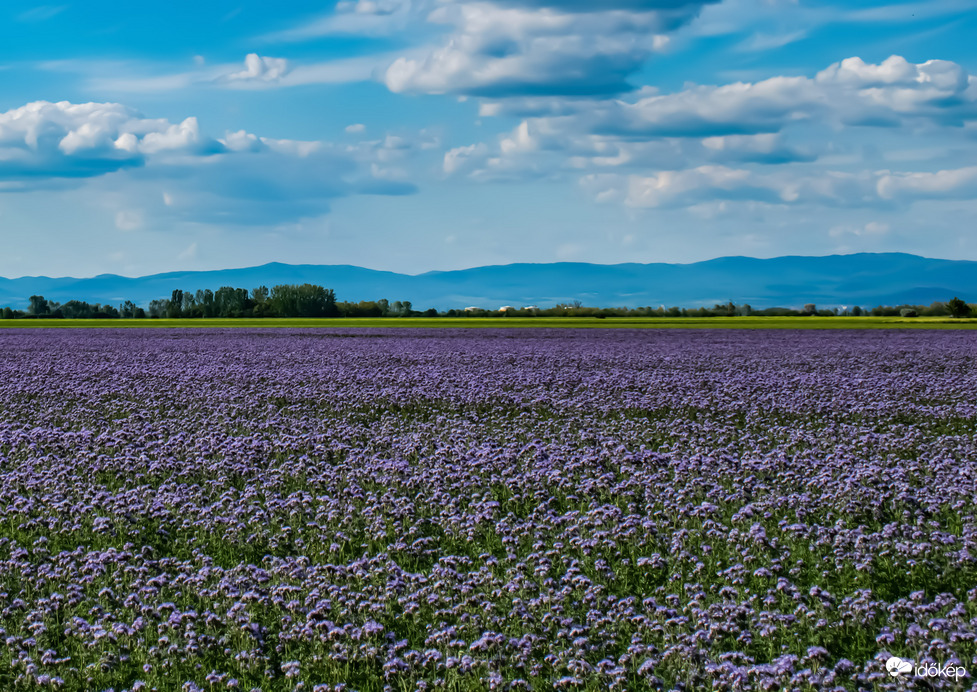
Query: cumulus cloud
[685, 188]
[464, 159]
[240, 178]
[851, 92]
[267, 183]
[706, 182]
[527, 48]
[550, 146]
[66, 140]
[768, 148]
[632, 5]
[699, 140]
[946, 184]
[740, 120]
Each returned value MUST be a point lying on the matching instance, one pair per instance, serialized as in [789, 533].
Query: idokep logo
[898, 667]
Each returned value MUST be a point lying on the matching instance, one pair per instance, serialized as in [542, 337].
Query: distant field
[537, 322]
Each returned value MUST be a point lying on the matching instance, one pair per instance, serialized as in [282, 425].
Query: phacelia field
[329, 510]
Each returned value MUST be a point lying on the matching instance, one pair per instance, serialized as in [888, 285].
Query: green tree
[189, 305]
[38, 306]
[174, 307]
[128, 309]
[307, 300]
[76, 310]
[205, 303]
[158, 307]
[958, 308]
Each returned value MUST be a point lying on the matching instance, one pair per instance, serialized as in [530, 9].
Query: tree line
[286, 300]
[311, 300]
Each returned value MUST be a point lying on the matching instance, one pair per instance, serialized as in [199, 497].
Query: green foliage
[38, 306]
[307, 300]
[313, 301]
[958, 308]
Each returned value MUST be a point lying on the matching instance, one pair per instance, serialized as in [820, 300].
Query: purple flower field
[486, 510]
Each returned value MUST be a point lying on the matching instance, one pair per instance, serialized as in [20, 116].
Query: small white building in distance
[507, 308]
[472, 308]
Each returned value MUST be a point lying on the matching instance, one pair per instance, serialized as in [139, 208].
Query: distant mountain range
[865, 279]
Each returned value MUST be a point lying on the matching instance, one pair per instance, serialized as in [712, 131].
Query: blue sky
[413, 135]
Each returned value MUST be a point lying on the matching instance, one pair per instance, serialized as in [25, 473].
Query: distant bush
[777, 312]
[908, 312]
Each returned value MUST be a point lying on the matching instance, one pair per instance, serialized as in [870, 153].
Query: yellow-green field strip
[520, 322]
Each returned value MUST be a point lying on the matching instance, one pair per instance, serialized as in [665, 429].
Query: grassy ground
[537, 322]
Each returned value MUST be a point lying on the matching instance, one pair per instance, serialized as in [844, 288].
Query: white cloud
[372, 7]
[959, 183]
[520, 141]
[356, 128]
[538, 48]
[850, 92]
[711, 128]
[261, 69]
[769, 147]
[547, 146]
[239, 179]
[630, 5]
[44, 139]
[870, 229]
[710, 183]
[362, 17]
[128, 220]
[242, 141]
[259, 72]
[184, 137]
[770, 23]
[763, 42]
[188, 253]
[464, 159]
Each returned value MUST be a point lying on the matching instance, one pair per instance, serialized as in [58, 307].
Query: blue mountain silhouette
[865, 279]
